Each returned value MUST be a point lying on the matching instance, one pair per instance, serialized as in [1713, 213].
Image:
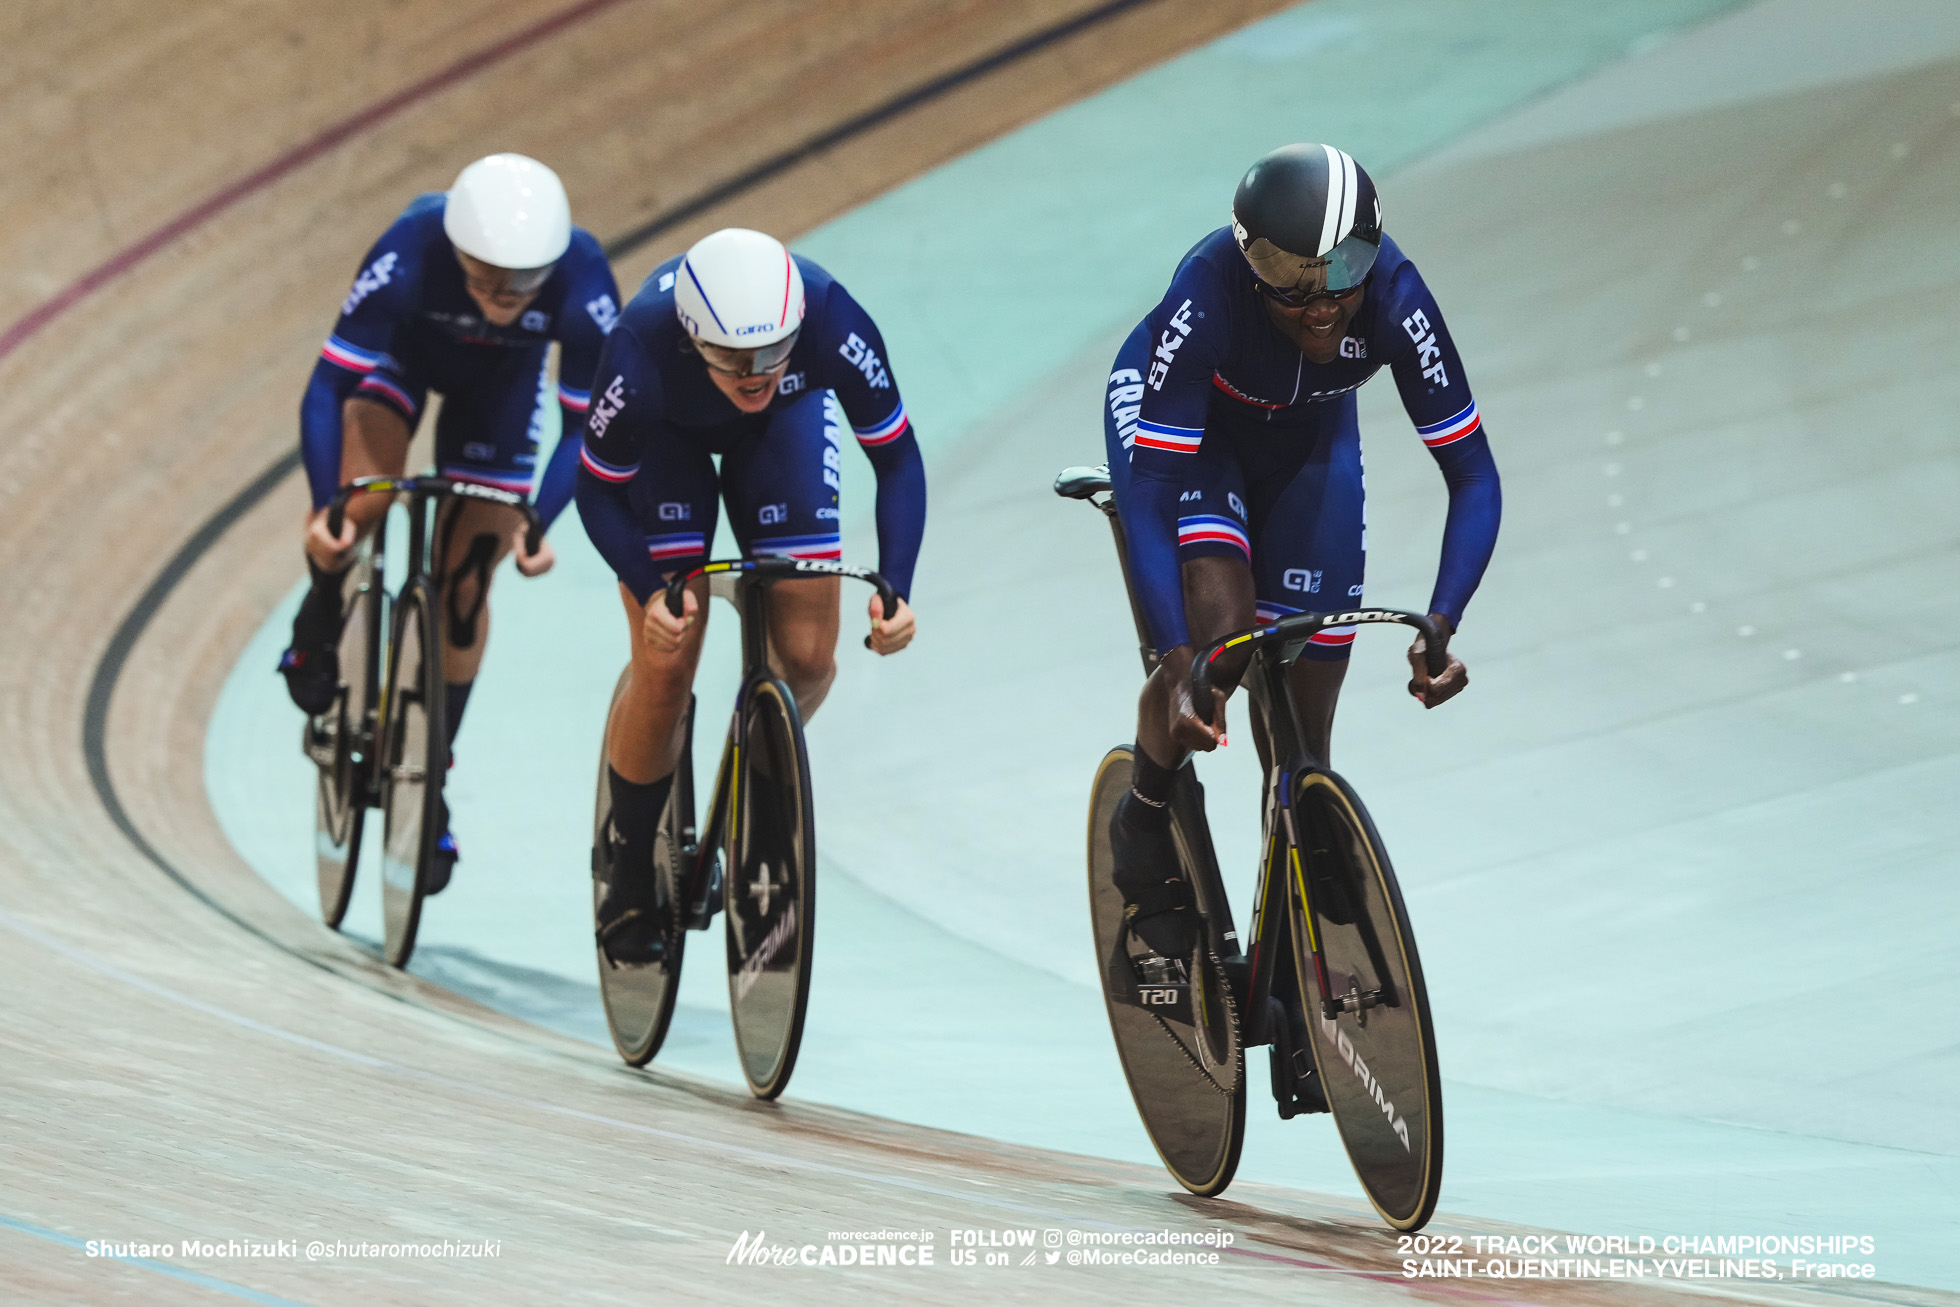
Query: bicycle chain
[1232, 1024]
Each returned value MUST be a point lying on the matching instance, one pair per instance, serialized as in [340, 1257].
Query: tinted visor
[1292, 279]
[492, 282]
[748, 362]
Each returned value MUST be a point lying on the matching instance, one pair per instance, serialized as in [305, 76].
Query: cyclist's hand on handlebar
[328, 553]
[1187, 731]
[1430, 691]
[664, 632]
[888, 637]
[532, 564]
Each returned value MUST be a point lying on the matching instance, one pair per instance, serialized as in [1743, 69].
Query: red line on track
[297, 157]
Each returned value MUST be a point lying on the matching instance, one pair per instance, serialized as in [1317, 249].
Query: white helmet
[510, 212]
[739, 290]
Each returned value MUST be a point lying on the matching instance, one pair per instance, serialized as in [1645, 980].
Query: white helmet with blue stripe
[739, 290]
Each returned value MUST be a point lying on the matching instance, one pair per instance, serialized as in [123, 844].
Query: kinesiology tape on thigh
[462, 625]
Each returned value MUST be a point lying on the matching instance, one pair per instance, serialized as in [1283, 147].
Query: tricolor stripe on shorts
[1451, 430]
[684, 544]
[603, 470]
[887, 431]
[1178, 440]
[1211, 529]
[822, 546]
[1336, 636]
[351, 357]
[576, 400]
[517, 482]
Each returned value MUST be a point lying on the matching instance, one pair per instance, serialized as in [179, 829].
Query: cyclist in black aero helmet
[1236, 463]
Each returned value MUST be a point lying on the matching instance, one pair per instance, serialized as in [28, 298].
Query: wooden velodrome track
[182, 1055]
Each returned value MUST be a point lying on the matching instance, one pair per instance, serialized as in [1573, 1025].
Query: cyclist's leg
[487, 434]
[674, 498]
[1309, 531]
[782, 501]
[376, 424]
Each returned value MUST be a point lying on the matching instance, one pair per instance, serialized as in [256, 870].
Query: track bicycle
[754, 860]
[1331, 982]
[383, 742]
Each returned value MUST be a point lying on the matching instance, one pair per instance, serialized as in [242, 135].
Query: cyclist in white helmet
[462, 295]
[741, 349]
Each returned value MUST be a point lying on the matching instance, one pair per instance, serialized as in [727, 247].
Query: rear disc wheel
[1178, 1038]
[639, 1000]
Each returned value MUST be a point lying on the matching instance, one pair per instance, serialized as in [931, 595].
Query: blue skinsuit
[1224, 439]
[648, 487]
[409, 326]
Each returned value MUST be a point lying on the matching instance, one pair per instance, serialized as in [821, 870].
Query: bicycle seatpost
[1292, 634]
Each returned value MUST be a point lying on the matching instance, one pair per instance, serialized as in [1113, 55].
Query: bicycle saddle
[1082, 482]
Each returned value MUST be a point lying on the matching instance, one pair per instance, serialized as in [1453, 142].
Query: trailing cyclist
[462, 295]
[1235, 458]
[744, 350]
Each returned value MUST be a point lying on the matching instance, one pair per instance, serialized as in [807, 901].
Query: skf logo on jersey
[773, 514]
[1167, 345]
[676, 512]
[534, 320]
[604, 312]
[865, 359]
[1428, 352]
[1299, 578]
[608, 407]
[1353, 347]
[372, 278]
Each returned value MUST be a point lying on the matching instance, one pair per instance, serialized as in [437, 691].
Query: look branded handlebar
[777, 569]
[1299, 628]
[434, 487]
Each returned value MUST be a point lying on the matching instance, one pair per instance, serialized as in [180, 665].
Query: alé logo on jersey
[371, 279]
[865, 359]
[608, 407]
[1428, 352]
[1167, 345]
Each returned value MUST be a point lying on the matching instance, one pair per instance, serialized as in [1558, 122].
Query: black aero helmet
[1307, 220]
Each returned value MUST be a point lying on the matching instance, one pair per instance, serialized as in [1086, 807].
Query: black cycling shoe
[442, 865]
[633, 922]
[1297, 1090]
[1157, 901]
[312, 677]
[311, 664]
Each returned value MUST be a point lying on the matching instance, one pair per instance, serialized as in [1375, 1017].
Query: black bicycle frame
[753, 578]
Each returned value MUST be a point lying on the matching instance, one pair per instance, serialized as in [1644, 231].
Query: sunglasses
[493, 282]
[747, 362]
[1299, 299]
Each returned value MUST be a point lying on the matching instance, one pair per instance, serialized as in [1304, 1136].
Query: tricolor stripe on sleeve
[605, 471]
[576, 400]
[1178, 440]
[374, 383]
[351, 357]
[1215, 530]
[884, 432]
[1451, 430]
